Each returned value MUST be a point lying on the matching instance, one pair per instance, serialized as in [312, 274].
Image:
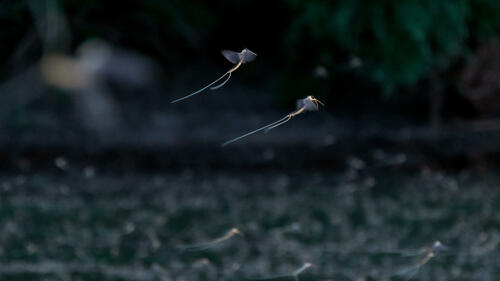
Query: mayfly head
[315, 100]
[235, 231]
[310, 103]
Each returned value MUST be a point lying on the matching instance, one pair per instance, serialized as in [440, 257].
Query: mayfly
[235, 58]
[310, 103]
[294, 274]
[427, 253]
[436, 247]
[210, 244]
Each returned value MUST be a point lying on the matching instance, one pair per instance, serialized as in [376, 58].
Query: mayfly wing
[232, 56]
[437, 247]
[310, 104]
[248, 55]
[300, 103]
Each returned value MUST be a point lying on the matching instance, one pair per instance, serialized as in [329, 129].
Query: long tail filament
[222, 84]
[254, 131]
[200, 90]
[278, 124]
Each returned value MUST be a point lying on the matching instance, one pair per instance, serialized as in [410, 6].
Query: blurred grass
[110, 227]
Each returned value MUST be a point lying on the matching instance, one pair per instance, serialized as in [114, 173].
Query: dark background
[101, 178]
[411, 66]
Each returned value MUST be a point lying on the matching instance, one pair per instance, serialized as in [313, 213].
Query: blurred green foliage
[399, 42]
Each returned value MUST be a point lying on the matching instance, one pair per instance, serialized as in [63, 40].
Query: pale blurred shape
[320, 71]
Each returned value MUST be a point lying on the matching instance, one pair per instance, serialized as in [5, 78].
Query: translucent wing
[231, 56]
[300, 103]
[248, 55]
[438, 247]
[310, 105]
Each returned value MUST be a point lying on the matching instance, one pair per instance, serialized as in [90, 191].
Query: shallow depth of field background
[101, 178]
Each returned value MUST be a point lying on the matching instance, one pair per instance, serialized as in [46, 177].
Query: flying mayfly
[210, 244]
[236, 58]
[427, 254]
[295, 274]
[437, 247]
[310, 103]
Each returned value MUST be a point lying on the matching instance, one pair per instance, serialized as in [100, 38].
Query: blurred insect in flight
[236, 58]
[427, 253]
[310, 103]
[86, 74]
[294, 274]
[214, 243]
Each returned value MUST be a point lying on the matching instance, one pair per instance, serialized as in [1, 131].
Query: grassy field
[93, 226]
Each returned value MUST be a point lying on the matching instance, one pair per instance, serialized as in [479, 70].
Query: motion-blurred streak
[213, 243]
[428, 253]
[295, 274]
[437, 247]
[62, 268]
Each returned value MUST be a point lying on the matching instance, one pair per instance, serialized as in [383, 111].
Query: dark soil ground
[86, 224]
